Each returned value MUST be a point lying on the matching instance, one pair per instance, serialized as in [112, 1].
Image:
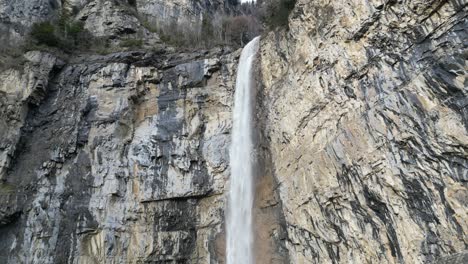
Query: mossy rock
[6, 188]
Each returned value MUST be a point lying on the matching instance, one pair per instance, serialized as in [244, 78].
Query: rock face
[362, 144]
[16, 16]
[181, 11]
[104, 18]
[364, 105]
[111, 19]
[116, 159]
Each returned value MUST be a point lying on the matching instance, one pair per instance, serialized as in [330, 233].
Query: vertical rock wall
[115, 159]
[104, 18]
[362, 144]
[181, 10]
[16, 16]
[366, 106]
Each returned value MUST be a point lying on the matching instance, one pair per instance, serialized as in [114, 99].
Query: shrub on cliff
[212, 30]
[275, 13]
[239, 30]
[131, 43]
[64, 33]
[44, 34]
[207, 29]
[69, 29]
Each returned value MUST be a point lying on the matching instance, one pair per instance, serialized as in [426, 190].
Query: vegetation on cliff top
[68, 35]
[249, 20]
[65, 33]
[275, 13]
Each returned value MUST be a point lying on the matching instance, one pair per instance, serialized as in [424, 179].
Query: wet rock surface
[366, 107]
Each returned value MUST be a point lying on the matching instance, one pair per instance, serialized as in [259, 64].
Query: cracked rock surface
[366, 112]
[117, 159]
[361, 138]
[105, 18]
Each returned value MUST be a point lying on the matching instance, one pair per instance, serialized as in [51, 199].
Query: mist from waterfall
[239, 233]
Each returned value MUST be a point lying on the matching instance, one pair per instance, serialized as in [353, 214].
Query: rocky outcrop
[181, 11]
[17, 16]
[113, 19]
[365, 108]
[19, 90]
[118, 158]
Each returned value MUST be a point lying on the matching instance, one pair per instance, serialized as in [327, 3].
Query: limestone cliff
[362, 142]
[365, 110]
[106, 18]
[116, 159]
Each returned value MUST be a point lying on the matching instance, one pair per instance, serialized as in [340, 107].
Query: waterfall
[240, 200]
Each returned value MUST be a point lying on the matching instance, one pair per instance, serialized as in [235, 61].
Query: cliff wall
[365, 107]
[116, 159]
[361, 143]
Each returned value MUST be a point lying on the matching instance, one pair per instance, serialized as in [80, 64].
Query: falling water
[240, 200]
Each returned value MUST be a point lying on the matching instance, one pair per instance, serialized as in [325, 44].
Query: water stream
[240, 200]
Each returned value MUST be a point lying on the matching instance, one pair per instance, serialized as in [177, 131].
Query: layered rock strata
[362, 141]
[117, 159]
[366, 120]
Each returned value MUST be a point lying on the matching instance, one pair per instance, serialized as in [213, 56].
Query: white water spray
[240, 201]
